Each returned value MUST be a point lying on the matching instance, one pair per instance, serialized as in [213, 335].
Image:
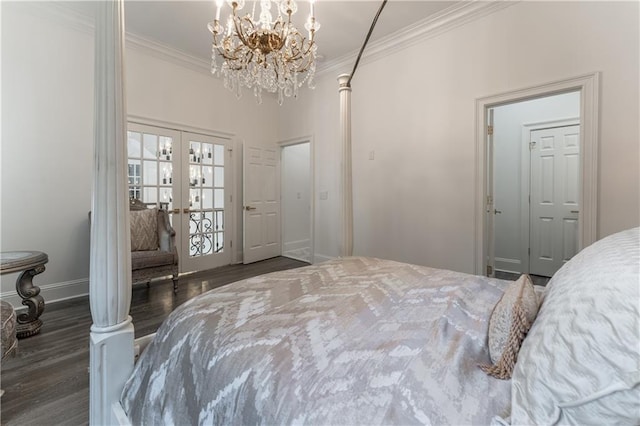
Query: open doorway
[296, 201]
[536, 153]
[587, 86]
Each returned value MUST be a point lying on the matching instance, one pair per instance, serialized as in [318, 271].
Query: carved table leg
[29, 322]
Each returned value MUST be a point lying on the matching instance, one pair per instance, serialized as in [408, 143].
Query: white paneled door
[554, 198]
[261, 204]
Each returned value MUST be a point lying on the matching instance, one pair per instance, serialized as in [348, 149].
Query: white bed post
[347, 185]
[111, 338]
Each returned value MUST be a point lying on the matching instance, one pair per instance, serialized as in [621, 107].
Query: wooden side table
[31, 263]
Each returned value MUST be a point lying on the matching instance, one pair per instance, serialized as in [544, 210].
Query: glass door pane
[205, 166]
[185, 174]
[150, 168]
[152, 158]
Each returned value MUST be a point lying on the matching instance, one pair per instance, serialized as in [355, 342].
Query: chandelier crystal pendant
[263, 53]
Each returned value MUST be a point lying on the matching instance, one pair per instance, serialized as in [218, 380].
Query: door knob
[575, 211]
[497, 211]
[248, 208]
[175, 211]
[185, 211]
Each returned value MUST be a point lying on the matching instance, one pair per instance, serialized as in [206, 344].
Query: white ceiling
[182, 24]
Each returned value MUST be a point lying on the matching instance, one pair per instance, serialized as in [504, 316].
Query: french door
[188, 175]
[206, 169]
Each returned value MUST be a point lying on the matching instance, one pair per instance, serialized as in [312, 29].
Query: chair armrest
[166, 234]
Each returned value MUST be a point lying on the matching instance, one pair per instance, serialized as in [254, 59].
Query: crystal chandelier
[263, 53]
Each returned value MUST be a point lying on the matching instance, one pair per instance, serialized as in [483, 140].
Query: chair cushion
[150, 259]
[144, 230]
[8, 338]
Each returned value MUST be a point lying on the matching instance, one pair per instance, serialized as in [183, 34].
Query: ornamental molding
[448, 19]
[70, 18]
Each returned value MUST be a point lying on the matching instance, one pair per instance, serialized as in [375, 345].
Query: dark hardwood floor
[47, 383]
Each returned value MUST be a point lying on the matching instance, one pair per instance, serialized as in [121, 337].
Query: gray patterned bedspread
[350, 341]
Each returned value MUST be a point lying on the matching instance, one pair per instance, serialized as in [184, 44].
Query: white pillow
[580, 362]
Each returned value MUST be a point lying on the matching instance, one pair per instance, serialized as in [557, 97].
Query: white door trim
[525, 164]
[312, 196]
[178, 126]
[589, 87]
[237, 152]
[490, 223]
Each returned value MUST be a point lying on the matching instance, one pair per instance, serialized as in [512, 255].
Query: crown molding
[70, 18]
[162, 51]
[452, 17]
[58, 13]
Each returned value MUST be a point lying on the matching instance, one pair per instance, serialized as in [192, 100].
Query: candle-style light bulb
[312, 25]
[229, 25]
[218, 8]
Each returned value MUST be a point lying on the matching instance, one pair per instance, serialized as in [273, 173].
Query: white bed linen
[350, 341]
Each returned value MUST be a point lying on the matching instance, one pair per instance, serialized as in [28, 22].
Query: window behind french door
[187, 174]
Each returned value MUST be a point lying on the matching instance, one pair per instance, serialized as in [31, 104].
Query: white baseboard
[298, 250]
[294, 257]
[295, 245]
[317, 258]
[508, 265]
[55, 292]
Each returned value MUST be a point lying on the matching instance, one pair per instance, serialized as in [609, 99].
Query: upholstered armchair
[153, 249]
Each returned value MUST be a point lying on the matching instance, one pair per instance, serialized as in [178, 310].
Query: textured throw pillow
[509, 323]
[580, 363]
[144, 230]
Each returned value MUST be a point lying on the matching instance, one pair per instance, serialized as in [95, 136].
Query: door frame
[490, 216]
[312, 197]
[525, 182]
[181, 128]
[589, 87]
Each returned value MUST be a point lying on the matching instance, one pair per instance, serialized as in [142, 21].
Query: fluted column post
[347, 185]
[111, 337]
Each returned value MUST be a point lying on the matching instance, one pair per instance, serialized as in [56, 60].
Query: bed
[356, 340]
[369, 341]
